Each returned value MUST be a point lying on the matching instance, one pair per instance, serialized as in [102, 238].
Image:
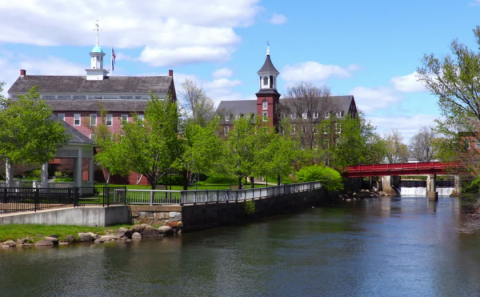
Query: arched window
[265, 81]
[264, 105]
[271, 82]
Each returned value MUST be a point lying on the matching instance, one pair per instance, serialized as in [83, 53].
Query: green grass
[204, 186]
[37, 232]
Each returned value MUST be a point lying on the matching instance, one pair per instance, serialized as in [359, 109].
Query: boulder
[174, 216]
[109, 237]
[70, 238]
[93, 235]
[139, 228]
[121, 231]
[21, 241]
[52, 239]
[174, 224]
[44, 242]
[99, 241]
[167, 230]
[85, 237]
[10, 243]
[63, 243]
[150, 232]
[136, 235]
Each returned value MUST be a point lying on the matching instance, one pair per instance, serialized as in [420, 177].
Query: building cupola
[268, 74]
[96, 71]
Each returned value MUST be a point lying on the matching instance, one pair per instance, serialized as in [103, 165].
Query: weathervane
[97, 28]
[268, 47]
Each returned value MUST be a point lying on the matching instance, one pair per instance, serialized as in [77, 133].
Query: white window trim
[61, 116]
[265, 116]
[79, 119]
[315, 115]
[124, 116]
[304, 115]
[92, 136]
[327, 115]
[293, 116]
[265, 105]
[93, 116]
[111, 120]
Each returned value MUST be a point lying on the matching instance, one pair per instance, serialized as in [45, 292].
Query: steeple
[268, 73]
[96, 71]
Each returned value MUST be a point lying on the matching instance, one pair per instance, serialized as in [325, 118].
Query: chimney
[23, 72]
[170, 72]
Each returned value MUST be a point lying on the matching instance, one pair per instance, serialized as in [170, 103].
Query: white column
[44, 176]
[8, 173]
[91, 171]
[78, 168]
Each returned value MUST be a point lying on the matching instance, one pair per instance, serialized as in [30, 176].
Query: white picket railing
[152, 197]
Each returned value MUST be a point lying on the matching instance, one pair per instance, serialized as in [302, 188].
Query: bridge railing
[434, 167]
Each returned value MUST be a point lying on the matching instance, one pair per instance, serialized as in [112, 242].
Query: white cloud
[406, 125]
[278, 19]
[370, 99]
[475, 3]
[222, 72]
[313, 71]
[408, 83]
[169, 32]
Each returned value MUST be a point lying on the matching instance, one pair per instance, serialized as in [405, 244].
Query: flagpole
[111, 60]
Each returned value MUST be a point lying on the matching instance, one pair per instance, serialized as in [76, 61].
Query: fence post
[77, 196]
[69, 197]
[36, 200]
[152, 197]
[125, 194]
[195, 198]
[5, 199]
[108, 197]
[217, 197]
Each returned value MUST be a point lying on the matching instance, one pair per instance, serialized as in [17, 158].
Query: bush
[171, 180]
[219, 179]
[330, 179]
[63, 179]
[249, 208]
[58, 174]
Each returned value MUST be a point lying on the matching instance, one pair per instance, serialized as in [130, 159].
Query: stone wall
[202, 216]
[156, 215]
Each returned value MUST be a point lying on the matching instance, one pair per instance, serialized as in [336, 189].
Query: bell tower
[96, 71]
[267, 97]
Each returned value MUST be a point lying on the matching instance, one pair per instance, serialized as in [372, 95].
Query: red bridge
[397, 169]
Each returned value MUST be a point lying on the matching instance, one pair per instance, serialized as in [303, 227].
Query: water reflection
[378, 247]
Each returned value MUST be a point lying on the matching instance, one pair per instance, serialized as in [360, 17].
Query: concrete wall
[81, 216]
[156, 214]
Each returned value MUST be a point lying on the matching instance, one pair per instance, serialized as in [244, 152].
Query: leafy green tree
[29, 133]
[455, 80]
[149, 147]
[330, 179]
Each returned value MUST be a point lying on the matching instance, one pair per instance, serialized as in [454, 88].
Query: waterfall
[422, 191]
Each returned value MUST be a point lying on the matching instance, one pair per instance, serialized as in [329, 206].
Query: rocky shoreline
[135, 233]
[363, 194]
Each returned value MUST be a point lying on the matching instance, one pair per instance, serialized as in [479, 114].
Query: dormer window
[304, 115]
[315, 115]
[339, 114]
[293, 116]
[265, 105]
[327, 115]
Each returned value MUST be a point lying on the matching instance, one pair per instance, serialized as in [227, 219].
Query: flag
[113, 59]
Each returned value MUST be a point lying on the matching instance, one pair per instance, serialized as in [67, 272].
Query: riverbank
[23, 236]
[363, 194]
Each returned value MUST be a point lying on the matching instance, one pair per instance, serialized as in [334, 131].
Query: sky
[366, 48]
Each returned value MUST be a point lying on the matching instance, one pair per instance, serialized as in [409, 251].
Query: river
[378, 247]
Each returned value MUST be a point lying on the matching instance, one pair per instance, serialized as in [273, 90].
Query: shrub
[249, 208]
[330, 179]
[58, 174]
[171, 180]
[219, 179]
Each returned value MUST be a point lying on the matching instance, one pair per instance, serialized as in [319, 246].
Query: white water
[422, 191]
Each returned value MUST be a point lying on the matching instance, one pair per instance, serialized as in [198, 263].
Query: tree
[330, 179]
[199, 105]
[421, 145]
[149, 146]
[307, 105]
[455, 80]
[29, 133]
[396, 150]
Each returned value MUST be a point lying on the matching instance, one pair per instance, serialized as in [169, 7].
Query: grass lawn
[37, 232]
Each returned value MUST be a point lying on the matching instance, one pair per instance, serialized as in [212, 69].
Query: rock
[52, 239]
[21, 241]
[70, 238]
[150, 232]
[85, 237]
[27, 244]
[10, 243]
[128, 240]
[174, 224]
[99, 241]
[63, 243]
[136, 235]
[139, 228]
[167, 230]
[4, 246]
[174, 216]
[367, 190]
[44, 242]
[93, 235]
[109, 237]
[121, 231]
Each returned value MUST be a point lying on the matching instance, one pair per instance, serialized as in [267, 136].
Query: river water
[378, 247]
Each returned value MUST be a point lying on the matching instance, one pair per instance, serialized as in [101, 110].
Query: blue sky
[369, 49]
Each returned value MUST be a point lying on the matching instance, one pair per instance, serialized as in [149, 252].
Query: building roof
[238, 107]
[97, 49]
[340, 103]
[77, 137]
[98, 105]
[79, 84]
[268, 67]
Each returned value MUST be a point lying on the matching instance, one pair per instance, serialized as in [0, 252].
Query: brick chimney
[170, 72]
[23, 72]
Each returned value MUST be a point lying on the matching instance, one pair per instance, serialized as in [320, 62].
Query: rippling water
[397, 247]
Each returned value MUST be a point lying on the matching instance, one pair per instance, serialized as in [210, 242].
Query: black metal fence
[34, 199]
